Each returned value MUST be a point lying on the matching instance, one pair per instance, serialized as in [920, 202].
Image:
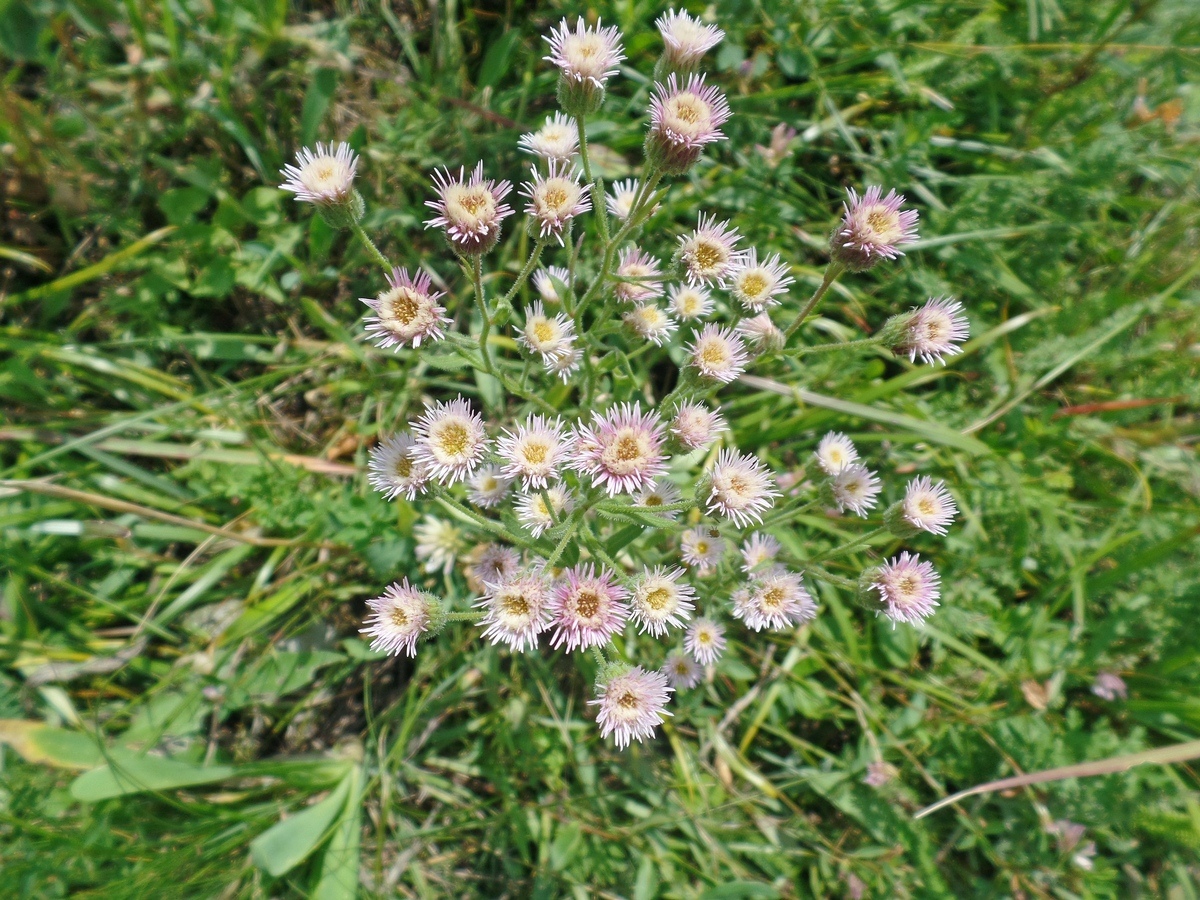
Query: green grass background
[171, 325]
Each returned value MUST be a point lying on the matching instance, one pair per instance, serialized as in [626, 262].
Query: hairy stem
[379, 258]
[832, 271]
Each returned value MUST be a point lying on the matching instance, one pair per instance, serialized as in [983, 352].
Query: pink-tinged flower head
[689, 302]
[450, 440]
[621, 196]
[533, 513]
[535, 451]
[1109, 686]
[908, 587]
[932, 332]
[705, 640]
[702, 549]
[761, 332]
[742, 488]
[872, 229]
[632, 705]
[695, 425]
[550, 336]
[644, 277]
[681, 670]
[775, 601]
[399, 618]
[557, 140]
[709, 254]
[649, 321]
[407, 312]
[928, 506]
[658, 494]
[683, 120]
[586, 54]
[394, 468]
[758, 285]
[588, 608]
[686, 39]
[879, 773]
[564, 364]
[324, 176]
[759, 550]
[488, 487]
[493, 563]
[469, 209]
[662, 600]
[718, 353]
[555, 199]
[622, 450]
[544, 282]
[835, 452]
[856, 488]
[518, 610]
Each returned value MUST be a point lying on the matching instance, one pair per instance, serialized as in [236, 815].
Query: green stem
[486, 524]
[477, 283]
[837, 345]
[470, 616]
[832, 271]
[506, 303]
[847, 547]
[371, 248]
[572, 524]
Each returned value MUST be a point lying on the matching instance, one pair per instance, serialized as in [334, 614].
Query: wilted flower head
[399, 618]
[702, 548]
[646, 277]
[835, 452]
[469, 209]
[908, 587]
[928, 506]
[709, 254]
[555, 199]
[518, 609]
[557, 140]
[585, 54]
[742, 488]
[532, 512]
[718, 353]
[620, 198]
[324, 176]
[855, 487]
[551, 337]
[407, 312]
[662, 600]
[488, 487]
[780, 148]
[758, 285]
[761, 332]
[632, 705]
[681, 670]
[650, 322]
[588, 607]
[450, 440]
[659, 493]
[686, 39]
[438, 544]
[1109, 686]
[879, 773]
[689, 302]
[1068, 837]
[535, 451]
[394, 468]
[932, 332]
[622, 450]
[872, 229]
[705, 640]
[758, 549]
[493, 563]
[683, 120]
[775, 600]
[543, 283]
[695, 425]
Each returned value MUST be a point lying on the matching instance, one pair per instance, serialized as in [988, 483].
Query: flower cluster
[578, 502]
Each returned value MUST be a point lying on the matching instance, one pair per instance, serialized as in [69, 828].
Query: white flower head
[659, 493]
[645, 277]
[695, 425]
[451, 441]
[407, 312]
[689, 302]
[742, 488]
[518, 610]
[686, 39]
[759, 550]
[661, 600]
[632, 705]
[705, 641]
[564, 364]
[681, 670]
[622, 450]
[532, 511]
[324, 176]
[928, 506]
[718, 353]
[758, 285]
[702, 548]
[469, 210]
[649, 321]
[488, 487]
[761, 332]
[550, 336]
[909, 588]
[835, 452]
[585, 54]
[555, 199]
[709, 254]
[544, 283]
[438, 544]
[621, 196]
[856, 488]
[775, 600]
[934, 331]
[535, 451]
[557, 140]
[684, 118]
[394, 468]
[492, 563]
[399, 618]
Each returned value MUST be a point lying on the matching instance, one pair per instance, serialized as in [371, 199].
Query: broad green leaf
[37, 742]
[289, 842]
[128, 772]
